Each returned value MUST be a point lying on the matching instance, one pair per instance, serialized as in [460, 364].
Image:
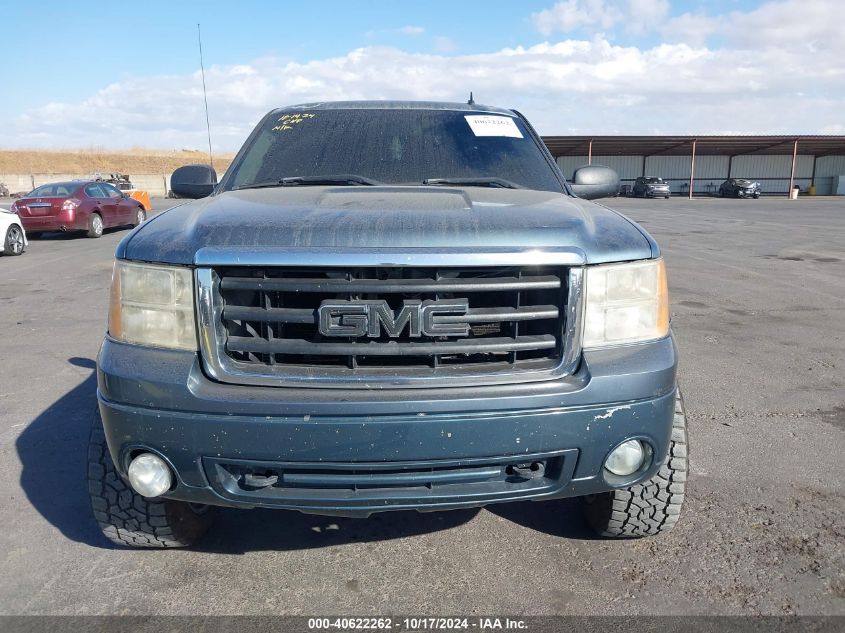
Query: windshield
[394, 146]
[653, 181]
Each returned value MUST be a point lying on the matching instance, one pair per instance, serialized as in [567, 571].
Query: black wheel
[649, 508]
[95, 225]
[756, 196]
[13, 244]
[665, 197]
[127, 518]
[140, 216]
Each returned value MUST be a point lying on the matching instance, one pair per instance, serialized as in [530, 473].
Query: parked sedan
[650, 187]
[12, 234]
[739, 188]
[88, 206]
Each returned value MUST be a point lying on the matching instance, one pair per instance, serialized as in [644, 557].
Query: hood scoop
[395, 199]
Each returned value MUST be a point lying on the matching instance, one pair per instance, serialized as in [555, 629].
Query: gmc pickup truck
[387, 306]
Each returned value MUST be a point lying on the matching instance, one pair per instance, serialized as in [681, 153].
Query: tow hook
[534, 470]
[260, 481]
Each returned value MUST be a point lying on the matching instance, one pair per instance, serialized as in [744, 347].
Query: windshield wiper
[294, 181]
[482, 181]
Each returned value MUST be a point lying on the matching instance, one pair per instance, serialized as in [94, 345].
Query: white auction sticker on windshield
[488, 125]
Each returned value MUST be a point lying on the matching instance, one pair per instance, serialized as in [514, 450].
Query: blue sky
[160, 37]
[94, 53]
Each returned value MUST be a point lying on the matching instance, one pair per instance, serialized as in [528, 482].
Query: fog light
[626, 459]
[149, 475]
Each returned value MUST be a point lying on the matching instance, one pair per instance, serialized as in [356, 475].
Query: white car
[12, 236]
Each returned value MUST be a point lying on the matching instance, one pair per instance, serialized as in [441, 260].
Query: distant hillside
[90, 161]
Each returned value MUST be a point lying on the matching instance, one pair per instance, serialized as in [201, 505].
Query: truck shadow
[561, 517]
[241, 531]
[52, 450]
[53, 453]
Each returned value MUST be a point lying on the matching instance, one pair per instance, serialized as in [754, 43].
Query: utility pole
[692, 170]
[792, 173]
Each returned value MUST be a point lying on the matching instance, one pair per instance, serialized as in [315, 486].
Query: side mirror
[193, 181]
[594, 181]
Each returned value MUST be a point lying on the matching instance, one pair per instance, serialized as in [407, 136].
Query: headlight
[153, 305]
[626, 303]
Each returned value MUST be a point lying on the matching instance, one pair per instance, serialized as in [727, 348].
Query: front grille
[512, 319]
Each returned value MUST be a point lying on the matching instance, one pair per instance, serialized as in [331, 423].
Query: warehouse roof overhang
[815, 145]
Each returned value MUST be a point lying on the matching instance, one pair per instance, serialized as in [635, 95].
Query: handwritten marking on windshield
[287, 121]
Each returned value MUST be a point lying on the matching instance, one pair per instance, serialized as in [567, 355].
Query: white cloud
[767, 81]
[692, 28]
[574, 14]
[807, 26]
[796, 26]
[645, 15]
[412, 30]
[636, 16]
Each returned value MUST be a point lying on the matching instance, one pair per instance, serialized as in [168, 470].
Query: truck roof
[396, 105]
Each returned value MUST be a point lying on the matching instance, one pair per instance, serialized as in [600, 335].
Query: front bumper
[657, 193]
[355, 452]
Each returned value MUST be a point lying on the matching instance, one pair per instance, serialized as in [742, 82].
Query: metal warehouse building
[699, 164]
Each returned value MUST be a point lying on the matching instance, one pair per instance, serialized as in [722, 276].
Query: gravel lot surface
[758, 304]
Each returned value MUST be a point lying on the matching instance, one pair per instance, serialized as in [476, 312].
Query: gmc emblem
[369, 318]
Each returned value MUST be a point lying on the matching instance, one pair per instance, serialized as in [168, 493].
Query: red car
[77, 205]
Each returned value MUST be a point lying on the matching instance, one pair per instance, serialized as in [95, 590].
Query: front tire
[13, 244]
[129, 519]
[140, 216]
[653, 506]
[95, 225]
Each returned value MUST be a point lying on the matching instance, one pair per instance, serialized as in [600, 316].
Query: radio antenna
[205, 97]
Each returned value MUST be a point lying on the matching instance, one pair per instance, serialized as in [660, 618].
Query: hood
[256, 221]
